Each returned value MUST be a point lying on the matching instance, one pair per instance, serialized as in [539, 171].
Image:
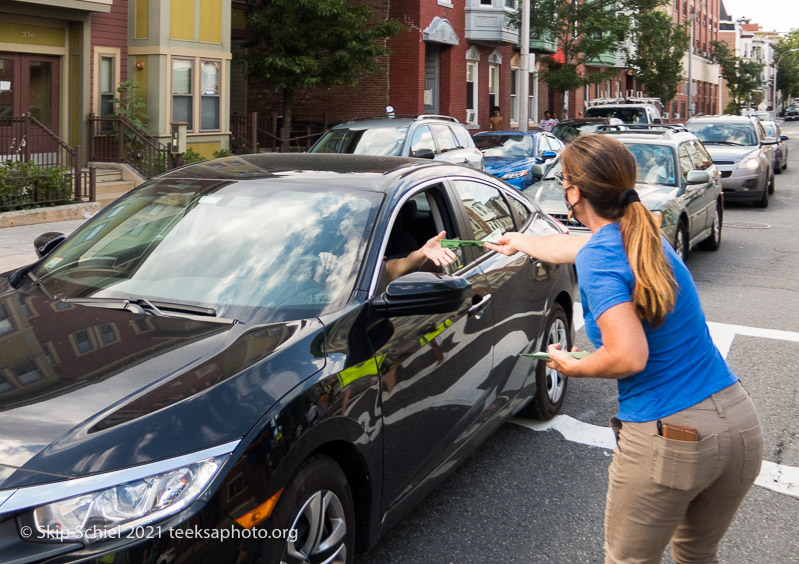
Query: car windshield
[724, 133]
[655, 164]
[386, 141]
[505, 146]
[627, 115]
[247, 250]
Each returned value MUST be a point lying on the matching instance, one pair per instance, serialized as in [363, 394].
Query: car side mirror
[46, 242]
[539, 170]
[697, 177]
[546, 155]
[770, 141]
[424, 154]
[423, 293]
[784, 137]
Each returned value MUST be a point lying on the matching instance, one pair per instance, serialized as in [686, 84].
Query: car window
[505, 145]
[376, 141]
[422, 139]
[725, 133]
[770, 130]
[462, 135]
[655, 163]
[686, 163]
[247, 250]
[555, 143]
[543, 145]
[444, 137]
[485, 208]
[699, 155]
[627, 115]
[522, 212]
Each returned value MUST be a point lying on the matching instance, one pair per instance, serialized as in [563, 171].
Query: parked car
[510, 155]
[221, 351]
[761, 115]
[676, 177]
[792, 112]
[741, 152]
[773, 133]
[440, 138]
[628, 110]
[568, 129]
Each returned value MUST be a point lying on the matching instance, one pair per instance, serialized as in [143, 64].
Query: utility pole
[689, 112]
[524, 75]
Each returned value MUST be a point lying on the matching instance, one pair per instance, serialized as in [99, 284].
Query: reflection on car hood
[729, 152]
[98, 389]
[548, 194]
[501, 165]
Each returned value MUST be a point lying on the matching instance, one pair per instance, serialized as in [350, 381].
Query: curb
[47, 215]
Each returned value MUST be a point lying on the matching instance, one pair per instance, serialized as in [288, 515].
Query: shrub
[192, 156]
[222, 153]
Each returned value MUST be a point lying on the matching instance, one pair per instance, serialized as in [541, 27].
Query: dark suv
[792, 112]
[441, 138]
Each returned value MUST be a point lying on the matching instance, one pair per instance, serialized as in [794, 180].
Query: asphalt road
[535, 497]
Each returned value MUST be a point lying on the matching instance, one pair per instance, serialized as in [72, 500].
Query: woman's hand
[508, 244]
[436, 253]
[562, 361]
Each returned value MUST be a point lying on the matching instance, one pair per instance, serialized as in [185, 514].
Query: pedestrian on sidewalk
[495, 121]
[546, 123]
[689, 442]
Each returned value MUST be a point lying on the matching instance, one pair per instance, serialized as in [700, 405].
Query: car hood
[95, 389]
[729, 152]
[548, 194]
[501, 165]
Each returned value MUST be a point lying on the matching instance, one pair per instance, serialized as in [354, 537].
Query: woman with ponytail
[689, 443]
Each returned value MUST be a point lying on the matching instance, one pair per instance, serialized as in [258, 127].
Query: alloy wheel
[321, 527]
[556, 383]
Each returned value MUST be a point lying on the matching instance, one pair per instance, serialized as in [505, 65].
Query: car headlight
[514, 174]
[750, 163]
[113, 511]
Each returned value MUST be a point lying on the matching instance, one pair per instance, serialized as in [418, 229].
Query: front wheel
[550, 385]
[681, 240]
[713, 241]
[317, 512]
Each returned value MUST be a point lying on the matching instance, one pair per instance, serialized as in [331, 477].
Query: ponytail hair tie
[628, 197]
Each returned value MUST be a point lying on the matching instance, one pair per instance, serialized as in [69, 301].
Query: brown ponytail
[603, 170]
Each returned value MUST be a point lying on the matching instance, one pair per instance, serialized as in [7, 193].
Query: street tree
[584, 31]
[788, 71]
[742, 76]
[301, 44]
[657, 56]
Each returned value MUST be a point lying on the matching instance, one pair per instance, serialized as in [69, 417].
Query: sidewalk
[16, 243]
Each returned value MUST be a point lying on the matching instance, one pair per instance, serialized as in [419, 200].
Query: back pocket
[753, 453]
[684, 465]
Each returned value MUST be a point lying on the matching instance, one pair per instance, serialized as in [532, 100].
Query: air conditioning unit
[470, 116]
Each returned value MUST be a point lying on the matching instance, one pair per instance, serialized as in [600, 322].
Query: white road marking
[775, 477]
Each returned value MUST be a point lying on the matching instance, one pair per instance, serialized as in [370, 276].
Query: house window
[107, 82]
[510, 4]
[182, 93]
[471, 92]
[486, 2]
[209, 105]
[493, 86]
[532, 112]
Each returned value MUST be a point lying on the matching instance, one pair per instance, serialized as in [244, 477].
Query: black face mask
[568, 205]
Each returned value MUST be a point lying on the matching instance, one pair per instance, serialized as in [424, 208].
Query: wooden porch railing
[115, 139]
[253, 132]
[38, 167]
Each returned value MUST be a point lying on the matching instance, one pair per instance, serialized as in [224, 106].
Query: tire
[771, 185]
[319, 487]
[550, 385]
[681, 241]
[763, 201]
[713, 241]
[777, 169]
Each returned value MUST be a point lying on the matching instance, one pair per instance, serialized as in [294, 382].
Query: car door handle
[478, 309]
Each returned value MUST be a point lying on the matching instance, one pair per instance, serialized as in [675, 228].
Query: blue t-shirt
[684, 366]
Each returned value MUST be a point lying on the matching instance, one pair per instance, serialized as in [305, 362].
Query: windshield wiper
[38, 283]
[723, 143]
[144, 305]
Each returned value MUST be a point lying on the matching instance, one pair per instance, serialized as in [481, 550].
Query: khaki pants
[687, 492]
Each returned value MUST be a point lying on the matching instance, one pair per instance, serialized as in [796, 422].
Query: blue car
[510, 155]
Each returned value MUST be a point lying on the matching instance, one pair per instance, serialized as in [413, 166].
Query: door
[695, 195]
[29, 84]
[432, 72]
[435, 369]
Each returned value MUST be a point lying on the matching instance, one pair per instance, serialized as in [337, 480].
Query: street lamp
[776, 68]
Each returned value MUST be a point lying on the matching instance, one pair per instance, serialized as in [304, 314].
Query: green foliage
[222, 153]
[192, 156]
[733, 108]
[25, 184]
[130, 106]
[239, 145]
[788, 70]
[301, 44]
[660, 48]
[585, 32]
[742, 76]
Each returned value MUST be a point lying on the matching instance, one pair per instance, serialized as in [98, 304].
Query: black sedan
[216, 368]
